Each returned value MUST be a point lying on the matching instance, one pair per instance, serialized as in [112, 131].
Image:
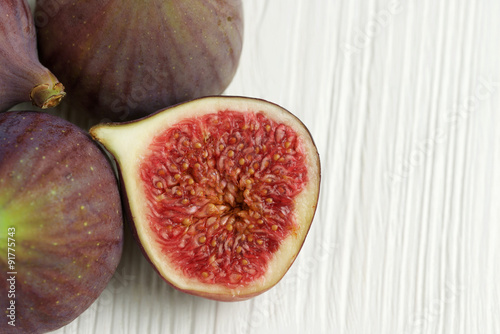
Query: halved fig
[221, 192]
[22, 77]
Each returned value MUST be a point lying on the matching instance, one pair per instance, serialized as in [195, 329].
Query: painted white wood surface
[403, 99]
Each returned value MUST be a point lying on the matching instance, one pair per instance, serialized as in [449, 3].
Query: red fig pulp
[22, 77]
[128, 58]
[221, 192]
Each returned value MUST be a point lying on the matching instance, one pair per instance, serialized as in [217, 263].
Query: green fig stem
[44, 96]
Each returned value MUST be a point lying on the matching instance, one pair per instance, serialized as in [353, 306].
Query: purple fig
[61, 227]
[22, 77]
[125, 59]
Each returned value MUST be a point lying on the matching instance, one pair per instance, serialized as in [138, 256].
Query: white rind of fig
[128, 142]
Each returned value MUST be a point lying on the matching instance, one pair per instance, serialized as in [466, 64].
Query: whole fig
[124, 59]
[61, 226]
[22, 77]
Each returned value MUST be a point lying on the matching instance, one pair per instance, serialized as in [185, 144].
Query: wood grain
[402, 98]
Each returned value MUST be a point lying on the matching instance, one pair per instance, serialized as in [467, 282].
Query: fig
[221, 192]
[61, 226]
[22, 77]
[125, 59]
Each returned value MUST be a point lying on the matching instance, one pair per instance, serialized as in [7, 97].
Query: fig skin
[125, 59]
[59, 193]
[129, 144]
[22, 77]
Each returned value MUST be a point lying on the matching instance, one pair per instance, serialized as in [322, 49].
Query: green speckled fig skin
[22, 77]
[59, 192]
[124, 59]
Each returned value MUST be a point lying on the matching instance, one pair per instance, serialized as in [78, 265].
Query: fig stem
[44, 96]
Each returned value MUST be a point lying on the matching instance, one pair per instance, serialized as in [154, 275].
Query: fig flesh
[22, 77]
[221, 192]
[153, 54]
[60, 221]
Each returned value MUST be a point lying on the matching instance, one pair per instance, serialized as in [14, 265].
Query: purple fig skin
[22, 77]
[124, 59]
[58, 191]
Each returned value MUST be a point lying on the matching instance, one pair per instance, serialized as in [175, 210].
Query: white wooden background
[403, 100]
